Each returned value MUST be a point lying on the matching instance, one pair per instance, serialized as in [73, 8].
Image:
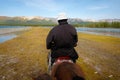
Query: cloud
[98, 7]
[50, 5]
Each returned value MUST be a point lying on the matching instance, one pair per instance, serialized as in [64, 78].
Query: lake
[9, 32]
[7, 37]
[115, 32]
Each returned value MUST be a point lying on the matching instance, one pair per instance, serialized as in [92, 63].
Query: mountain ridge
[46, 21]
[54, 19]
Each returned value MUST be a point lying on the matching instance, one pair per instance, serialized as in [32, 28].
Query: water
[10, 32]
[115, 32]
[4, 38]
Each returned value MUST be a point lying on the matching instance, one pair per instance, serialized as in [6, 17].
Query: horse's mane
[68, 70]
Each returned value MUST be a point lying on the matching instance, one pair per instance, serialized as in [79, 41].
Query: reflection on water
[101, 31]
[4, 38]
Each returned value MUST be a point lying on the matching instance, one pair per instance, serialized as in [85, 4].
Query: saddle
[58, 61]
[62, 59]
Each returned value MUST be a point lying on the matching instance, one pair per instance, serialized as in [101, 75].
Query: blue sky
[84, 9]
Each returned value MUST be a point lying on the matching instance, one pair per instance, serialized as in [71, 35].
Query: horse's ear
[78, 78]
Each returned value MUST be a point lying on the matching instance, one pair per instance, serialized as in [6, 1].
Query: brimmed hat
[62, 16]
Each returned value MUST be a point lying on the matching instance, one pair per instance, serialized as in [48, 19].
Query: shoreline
[10, 33]
[12, 30]
[94, 31]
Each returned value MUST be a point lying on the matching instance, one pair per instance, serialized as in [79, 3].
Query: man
[62, 39]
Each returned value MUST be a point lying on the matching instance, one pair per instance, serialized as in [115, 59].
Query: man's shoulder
[54, 28]
[71, 25]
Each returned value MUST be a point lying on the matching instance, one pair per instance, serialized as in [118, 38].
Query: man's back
[63, 36]
[61, 40]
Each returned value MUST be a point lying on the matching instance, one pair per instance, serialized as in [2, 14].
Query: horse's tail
[78, 78]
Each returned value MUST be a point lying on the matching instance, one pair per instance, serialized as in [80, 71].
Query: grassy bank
[26, 56]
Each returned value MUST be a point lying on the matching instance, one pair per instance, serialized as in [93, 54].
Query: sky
[84, 9]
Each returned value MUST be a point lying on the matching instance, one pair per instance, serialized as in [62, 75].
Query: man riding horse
[61, 40]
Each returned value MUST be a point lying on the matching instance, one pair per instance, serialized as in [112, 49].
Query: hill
[44, 21]
[4, 20]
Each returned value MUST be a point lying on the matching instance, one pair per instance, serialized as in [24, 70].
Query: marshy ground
[25, 56]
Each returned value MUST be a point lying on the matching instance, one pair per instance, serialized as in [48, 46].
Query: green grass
[26, 56]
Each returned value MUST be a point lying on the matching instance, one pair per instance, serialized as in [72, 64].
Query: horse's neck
[63, 71]
[66, 71]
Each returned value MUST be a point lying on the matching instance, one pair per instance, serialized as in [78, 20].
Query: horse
[66, 70]
[63, 69]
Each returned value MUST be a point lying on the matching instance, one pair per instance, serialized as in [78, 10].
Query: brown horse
[67, 71]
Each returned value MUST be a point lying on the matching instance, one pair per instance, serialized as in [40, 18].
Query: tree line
[99, 24]
[50, 23]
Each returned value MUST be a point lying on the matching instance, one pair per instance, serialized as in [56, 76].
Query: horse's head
[67, 71]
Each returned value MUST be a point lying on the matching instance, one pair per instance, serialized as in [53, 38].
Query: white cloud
[98, 7]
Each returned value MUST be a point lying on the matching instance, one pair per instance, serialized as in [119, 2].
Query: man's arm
[49, 40]
[75, 38]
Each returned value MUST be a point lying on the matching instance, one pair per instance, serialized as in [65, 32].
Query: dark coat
[62, 39]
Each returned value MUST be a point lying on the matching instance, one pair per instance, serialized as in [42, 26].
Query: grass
[26, 56]
[99, 56]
